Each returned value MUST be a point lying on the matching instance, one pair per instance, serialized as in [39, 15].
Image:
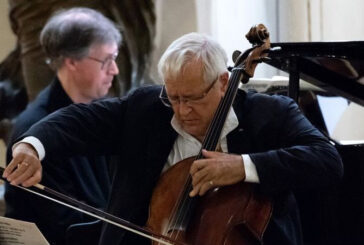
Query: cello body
[229, 215]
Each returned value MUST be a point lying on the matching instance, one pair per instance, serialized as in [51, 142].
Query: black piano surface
[334, 215]
[337, 67]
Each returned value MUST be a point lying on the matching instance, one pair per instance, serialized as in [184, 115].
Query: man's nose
[113, 69]
[183, 107]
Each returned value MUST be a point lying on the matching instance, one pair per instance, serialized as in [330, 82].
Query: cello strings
[216, 126]
[209, 143]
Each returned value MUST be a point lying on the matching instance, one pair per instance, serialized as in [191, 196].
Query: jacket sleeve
[82, 129]
[303, 158]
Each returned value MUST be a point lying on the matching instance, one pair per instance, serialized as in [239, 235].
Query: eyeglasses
[191, 101]
[106, 62]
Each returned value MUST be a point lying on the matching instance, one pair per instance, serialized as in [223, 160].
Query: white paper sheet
[16, 232]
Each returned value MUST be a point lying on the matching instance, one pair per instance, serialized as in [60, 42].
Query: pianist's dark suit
[288, 151]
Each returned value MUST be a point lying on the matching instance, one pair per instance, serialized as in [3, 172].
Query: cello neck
[215, 128]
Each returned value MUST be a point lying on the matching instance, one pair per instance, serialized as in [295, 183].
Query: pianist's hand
[25, 167]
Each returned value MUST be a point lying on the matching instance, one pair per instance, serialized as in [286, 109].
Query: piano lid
[337, 67]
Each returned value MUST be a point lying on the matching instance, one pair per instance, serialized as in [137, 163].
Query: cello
[228, 215]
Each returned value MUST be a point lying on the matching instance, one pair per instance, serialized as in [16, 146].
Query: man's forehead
[184, 88]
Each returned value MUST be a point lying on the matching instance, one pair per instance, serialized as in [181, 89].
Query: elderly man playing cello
[265, 140]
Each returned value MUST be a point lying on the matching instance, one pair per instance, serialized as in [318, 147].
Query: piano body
[336, 215]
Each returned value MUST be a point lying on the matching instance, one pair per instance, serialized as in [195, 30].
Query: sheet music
[16, 232]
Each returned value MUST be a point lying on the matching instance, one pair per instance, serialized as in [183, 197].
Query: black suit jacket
[289, 153]
[84, 178]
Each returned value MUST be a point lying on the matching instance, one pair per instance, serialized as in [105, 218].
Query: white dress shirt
[187, 146]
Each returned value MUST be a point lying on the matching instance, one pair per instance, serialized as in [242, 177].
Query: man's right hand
[25, 168]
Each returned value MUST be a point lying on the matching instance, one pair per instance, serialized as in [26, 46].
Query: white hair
[193, 47]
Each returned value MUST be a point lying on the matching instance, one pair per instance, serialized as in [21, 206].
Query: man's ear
[224, 80]
[70, 63]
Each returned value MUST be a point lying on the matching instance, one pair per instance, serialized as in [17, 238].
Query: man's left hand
[216, 169]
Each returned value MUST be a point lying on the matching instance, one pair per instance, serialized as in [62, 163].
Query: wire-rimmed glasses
[107, 62]
[190, 101]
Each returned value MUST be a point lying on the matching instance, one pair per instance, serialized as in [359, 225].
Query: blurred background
[228, 21]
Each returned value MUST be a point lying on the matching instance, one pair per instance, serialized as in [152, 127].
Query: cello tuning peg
[236, 55]
[230, 68]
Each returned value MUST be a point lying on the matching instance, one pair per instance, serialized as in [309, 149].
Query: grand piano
[334, 215]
